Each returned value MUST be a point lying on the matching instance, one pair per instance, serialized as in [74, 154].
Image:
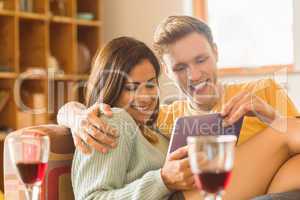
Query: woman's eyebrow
[137, 83]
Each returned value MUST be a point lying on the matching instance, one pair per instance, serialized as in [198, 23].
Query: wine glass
[29, 152]
[211, 159]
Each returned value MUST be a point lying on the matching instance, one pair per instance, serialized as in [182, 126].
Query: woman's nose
[146, 95]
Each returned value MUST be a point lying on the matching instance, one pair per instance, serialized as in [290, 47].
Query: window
[251, 33]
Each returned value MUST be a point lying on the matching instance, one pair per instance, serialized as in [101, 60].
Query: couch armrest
[56, 133]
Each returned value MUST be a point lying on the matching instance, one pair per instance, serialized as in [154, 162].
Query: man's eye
[201, 60]
[179, 68]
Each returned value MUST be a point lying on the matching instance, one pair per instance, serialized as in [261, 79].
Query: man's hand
[248, 104]
[176, 172]
[94, 131]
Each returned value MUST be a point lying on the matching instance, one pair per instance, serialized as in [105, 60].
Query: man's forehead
[184, 57]
[186, 49]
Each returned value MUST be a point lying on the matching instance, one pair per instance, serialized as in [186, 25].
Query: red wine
[212, 182]
[32, 172]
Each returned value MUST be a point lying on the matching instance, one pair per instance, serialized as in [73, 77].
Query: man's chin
[205, 102]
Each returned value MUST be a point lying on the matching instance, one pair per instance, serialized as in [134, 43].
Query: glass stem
[32, 192]
[211, 196]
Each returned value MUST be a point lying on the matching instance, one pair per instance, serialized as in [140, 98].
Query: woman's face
[140, 93]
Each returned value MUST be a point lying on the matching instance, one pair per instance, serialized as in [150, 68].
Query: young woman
[125, 75]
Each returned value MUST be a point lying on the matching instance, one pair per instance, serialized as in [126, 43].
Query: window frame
[200, 10]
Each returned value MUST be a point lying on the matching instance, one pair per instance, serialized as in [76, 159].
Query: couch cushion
[293, 195]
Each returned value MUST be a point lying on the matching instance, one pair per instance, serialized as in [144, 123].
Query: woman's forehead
[144, 71]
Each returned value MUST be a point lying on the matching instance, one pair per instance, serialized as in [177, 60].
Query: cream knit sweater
[130, 171]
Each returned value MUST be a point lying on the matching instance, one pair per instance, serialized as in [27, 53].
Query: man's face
[192, 63]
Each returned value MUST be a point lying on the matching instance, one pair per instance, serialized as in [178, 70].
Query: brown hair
[111, 66]
[174, 28]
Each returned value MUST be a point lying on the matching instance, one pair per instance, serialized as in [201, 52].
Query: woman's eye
[130, 87]
[151, 85]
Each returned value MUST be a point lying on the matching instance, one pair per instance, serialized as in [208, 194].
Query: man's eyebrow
[179, 64]
[203, 55]
[137, 83]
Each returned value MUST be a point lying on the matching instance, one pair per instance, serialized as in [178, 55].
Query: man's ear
[215, 51]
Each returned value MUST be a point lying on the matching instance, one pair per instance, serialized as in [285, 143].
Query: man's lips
[199, 86]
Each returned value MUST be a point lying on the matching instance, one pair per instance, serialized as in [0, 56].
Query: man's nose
[194, 73]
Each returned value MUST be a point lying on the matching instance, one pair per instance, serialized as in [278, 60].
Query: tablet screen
[210, 124]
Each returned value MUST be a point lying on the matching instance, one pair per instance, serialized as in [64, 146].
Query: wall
[138, 18]
[297, 32]
[292, 81]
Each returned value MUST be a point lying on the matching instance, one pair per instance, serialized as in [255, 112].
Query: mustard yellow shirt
[1, 196]
[266, 89]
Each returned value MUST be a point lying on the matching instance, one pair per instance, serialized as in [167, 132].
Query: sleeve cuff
[160, 183]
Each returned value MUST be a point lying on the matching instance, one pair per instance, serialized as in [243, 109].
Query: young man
[189, 56]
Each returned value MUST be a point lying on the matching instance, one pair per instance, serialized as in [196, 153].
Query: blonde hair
[174, 28]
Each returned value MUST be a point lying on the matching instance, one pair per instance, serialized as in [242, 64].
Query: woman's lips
[142, 108]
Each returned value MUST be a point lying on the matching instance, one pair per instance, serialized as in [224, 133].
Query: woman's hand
[94, 131]
[248, 104]
[176, 172]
